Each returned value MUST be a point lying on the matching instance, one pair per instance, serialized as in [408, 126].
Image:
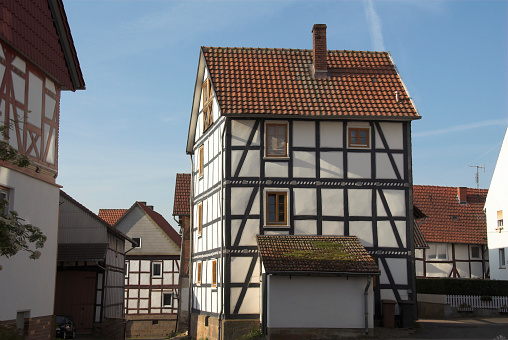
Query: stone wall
[207, 327]
[157, 326]
[40, 328]
[109, 328]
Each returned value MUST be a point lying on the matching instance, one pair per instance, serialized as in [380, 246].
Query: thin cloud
[374, 22]
[462, 127]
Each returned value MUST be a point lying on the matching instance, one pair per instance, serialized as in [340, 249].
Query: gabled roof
[181, 205]
[109, 228]
[447, 219]
[73, 252]
[295, 254]
[158, 219]
[111, 216]
[39, 30]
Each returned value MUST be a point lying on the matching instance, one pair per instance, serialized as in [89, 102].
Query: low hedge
[445, 286]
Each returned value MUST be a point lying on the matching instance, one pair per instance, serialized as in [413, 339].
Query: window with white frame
[502, 258]
[137, 242]
[4, 199]
[156, 269]
[437, 251]
[167, 299]
[475, 252]
[126, 269]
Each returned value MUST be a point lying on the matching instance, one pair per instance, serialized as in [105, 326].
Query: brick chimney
[319, 52]
[462, 195]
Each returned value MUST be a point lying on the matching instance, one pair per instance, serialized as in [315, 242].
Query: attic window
[358, 137]
[207, 104]
[454, 217]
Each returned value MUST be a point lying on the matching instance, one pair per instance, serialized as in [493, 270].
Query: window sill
[275, 159]
[270, 226]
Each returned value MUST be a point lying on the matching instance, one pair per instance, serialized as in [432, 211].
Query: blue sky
[123, 139]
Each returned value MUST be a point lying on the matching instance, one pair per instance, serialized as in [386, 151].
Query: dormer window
[207, 104]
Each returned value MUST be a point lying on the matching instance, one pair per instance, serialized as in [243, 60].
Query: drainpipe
[366, 300]
[222, 231]
[191, 223]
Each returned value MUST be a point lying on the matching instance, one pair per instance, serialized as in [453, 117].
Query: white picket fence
[470, 302]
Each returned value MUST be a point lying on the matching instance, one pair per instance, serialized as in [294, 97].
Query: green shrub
[9, 334]
[446, 286]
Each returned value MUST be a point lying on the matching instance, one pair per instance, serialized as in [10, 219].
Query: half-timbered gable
[152, 268]
[456, 231]
[37, 61]
[496, 207]
[302, 143]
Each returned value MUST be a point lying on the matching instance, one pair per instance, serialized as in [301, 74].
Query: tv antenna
[477, 176]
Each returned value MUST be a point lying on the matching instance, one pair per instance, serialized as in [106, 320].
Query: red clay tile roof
[111, 216]
[449, 221]
[182, 195]
[279, 82]
[314, 254]
[162, 223]
[40, 31]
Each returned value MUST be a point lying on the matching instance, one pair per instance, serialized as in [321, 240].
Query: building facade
[33, 72]
[295, 142]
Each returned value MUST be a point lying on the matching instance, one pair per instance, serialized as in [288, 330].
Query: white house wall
[318, 302]
[37, 203]
[497, 200]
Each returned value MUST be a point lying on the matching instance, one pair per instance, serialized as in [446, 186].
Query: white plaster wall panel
[476, 270]
[360, 202]
[144, 293]
[330, 134]
[240, 199]
[393, 136]
[398, 268]
[239, 268]
[304, 201]
[133, 293]
[50, 85]
[305, 227]
[320, 302]
[156, 299]
[461, 252]
[276, 169]
[250, 167]
[250, 304]
[304, 164]
[362, 230]
[233, 299]
[132, 303]
[419, 267]
[249, 233]
[134, 265]
[396, 200]
[145, 265]
[214, 301]
[18, 291]
[463, 269]
[34, 100]
[2, 51]
[49, 107]
[2, 73]
[386, 237]
[335, 228]
[384, 168]
[332, 202]
[275, 232]
[143, 304]
[144, 278]
[304, 134]
[438, 269]
[358, 165]
[156, 281]
[19, 63]
[36, 142]
[240, 132]
[18, 85]
[255, 278]
[331, 164]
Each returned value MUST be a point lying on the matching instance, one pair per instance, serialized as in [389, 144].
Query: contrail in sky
[374, 26]
[460, 128]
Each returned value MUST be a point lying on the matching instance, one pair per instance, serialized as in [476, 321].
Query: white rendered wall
[497, 199]
[318, 302]
[29, 285]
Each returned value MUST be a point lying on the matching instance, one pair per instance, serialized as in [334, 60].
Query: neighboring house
[455, 230]
[496, 207]
[37, 61]
[181, 210]
[151, 270]
[90, 272]
[295, 142]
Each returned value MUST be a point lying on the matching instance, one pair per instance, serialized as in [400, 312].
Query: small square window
[276, 140]
[201, 159]
[214, 273]
[276, 208]
[167, 299]
[198, 274]
[137, 242]
[475, 252]
[358, 137]
[157, 269]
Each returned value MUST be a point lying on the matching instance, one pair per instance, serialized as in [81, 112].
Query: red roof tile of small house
[274, 81]
[314, 254]
[448, 220]
[181, 205]
[39, 30]
[111, 216]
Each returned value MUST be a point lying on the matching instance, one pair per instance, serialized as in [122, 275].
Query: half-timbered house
[496, 205]
[295, 142]
[151, 270]
[90, 271]
[181, 214]
[37, 61]
[455, 230]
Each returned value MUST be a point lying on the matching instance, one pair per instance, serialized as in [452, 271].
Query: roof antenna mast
[477, 176]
